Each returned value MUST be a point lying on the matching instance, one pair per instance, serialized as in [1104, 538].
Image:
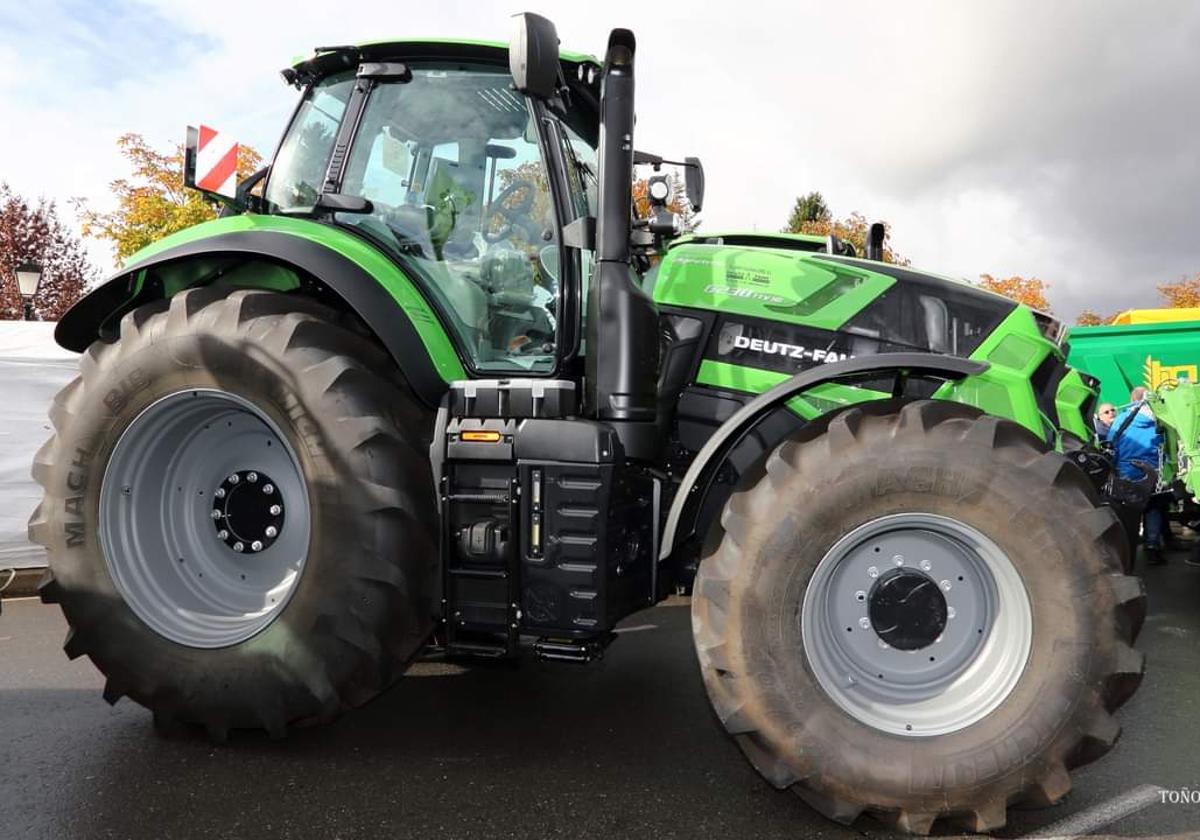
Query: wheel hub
[907, 610]
[916, 624]
[248, 511]
[188, 521]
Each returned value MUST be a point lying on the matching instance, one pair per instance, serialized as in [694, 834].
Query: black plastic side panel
[353, 286]
[593, 564]
[622, 358]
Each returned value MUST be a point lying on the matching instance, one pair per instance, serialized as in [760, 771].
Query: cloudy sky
[1059, 140]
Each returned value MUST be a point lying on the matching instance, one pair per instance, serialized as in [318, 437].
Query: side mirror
[693, 182]
[533, 55]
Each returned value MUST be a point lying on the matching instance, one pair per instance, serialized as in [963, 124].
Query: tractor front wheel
[918, 611]
[239, 512]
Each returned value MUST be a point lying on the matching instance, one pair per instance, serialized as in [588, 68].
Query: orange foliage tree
[1185, 293]
[155, 203]
[1029, 291]
[1088, 318]
[811, 215]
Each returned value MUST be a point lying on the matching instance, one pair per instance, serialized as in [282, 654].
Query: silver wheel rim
[171, 556]
[960, 676]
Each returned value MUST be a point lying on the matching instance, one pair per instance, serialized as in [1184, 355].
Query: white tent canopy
[32, 370]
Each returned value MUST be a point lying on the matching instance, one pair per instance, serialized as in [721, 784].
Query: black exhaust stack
[622, 322]
[876, 235]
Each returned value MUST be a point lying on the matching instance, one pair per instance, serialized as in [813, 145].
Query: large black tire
[361, 608]
[890, 458]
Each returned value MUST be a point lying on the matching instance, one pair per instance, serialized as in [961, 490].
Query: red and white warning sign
[216, 156]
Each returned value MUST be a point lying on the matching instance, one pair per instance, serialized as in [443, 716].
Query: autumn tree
[853, 229]
[154, 202]
[808, 208]
[811, 215]
[1088, 318]
[1029, 291]
[35, 234]
[1183, 294]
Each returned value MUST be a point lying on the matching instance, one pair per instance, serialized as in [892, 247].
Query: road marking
[636, 628]
[1099, 816]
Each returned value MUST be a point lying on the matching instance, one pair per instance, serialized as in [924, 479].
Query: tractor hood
[788, 278]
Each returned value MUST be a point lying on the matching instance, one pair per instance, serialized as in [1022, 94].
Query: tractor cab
[430, 153]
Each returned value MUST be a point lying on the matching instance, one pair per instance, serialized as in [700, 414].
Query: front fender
[689, 498]
[323, 260]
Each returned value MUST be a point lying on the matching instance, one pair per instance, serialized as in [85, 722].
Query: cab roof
[428, 47]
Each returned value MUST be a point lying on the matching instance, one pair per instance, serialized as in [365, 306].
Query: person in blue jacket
[1139, 439]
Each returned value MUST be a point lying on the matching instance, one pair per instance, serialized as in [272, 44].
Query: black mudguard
[681, 523]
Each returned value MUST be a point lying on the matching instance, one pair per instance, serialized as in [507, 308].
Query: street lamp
[29, 277]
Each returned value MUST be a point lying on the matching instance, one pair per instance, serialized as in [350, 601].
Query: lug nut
[883, 645]
[216, 513]
[268, 489]
[219, 492]
[873, 571]
[926, 565]
[237, 546]
[222, 534]
[276, 510]
[864, 623]
[256, 546]
[898, 559]
[945, 585]
[252, 477]
[271, 531]
[950, 612]
[233, 479]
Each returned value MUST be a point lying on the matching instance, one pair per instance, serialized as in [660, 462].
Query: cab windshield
[450, 162]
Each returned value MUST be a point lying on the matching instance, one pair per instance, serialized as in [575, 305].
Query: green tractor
[434, 389]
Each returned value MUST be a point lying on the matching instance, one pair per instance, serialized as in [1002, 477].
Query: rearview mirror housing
[533, 55]
[693, 182]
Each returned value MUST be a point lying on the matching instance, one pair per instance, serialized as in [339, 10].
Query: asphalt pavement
[623, 748]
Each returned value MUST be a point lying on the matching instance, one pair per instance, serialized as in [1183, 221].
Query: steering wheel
[511, 216]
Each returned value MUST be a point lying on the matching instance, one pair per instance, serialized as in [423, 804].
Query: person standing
[1104, 419]
[1136, 442]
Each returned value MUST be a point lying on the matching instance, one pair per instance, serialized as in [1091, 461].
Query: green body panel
[1013, 351]
[819, 400]
[1125, 356]
[784, 238]
[1069, 400]
[1177, 409]
[402, 289]
[776, 285]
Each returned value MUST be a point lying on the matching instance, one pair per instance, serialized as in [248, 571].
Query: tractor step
[478, 649]
[581, 651]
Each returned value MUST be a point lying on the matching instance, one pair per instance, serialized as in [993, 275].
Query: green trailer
[1143, 351]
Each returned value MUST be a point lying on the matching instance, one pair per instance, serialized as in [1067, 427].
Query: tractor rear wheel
[239, 512]
[919, 612]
